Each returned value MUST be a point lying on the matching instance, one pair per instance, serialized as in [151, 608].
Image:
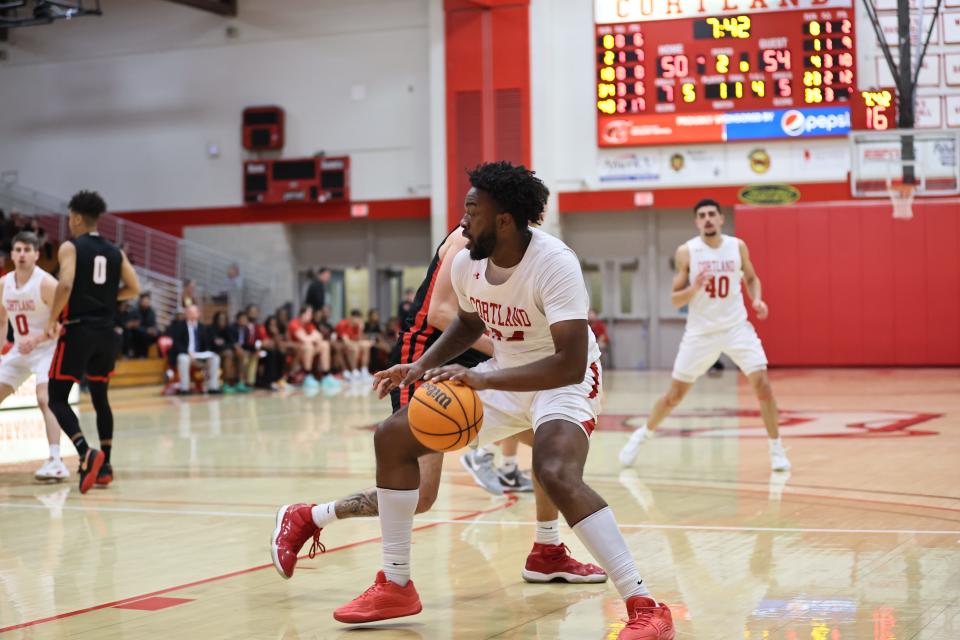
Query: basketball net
[901, 195]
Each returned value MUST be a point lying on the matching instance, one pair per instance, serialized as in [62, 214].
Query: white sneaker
[630, 451]
[52, 470]
[348, 375]
[778, 458]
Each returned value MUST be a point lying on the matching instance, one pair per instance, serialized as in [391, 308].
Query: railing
[163, 260]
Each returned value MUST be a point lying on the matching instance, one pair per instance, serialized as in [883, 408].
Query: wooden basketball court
[861, 540]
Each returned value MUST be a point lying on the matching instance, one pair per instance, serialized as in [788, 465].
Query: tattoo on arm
[358, 505]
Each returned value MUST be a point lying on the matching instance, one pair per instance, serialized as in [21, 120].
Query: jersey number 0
[99, 270]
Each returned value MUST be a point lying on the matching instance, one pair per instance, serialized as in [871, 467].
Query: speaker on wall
[263, 128]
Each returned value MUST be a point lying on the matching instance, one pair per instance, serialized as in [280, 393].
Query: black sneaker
[515, 480]
[105, 476]
[89, 468]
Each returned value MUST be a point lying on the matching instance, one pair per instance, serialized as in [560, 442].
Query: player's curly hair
[515, 188]
[88, 204]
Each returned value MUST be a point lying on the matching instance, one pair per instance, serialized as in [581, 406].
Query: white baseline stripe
[683, 527]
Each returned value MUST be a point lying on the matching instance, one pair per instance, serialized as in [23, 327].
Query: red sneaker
[553, 563]
[294, 527]
[89, 468]
[647, 620]
[382, 601]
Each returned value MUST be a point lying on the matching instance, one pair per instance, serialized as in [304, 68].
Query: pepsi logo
[793, 123]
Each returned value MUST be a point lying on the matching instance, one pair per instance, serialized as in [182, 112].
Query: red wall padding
[849, 285]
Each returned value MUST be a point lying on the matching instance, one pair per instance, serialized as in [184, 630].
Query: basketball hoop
[901, 195]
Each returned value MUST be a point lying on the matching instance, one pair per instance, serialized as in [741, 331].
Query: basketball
[445, 416]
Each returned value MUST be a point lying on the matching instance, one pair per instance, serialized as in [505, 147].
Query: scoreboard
[687, 71]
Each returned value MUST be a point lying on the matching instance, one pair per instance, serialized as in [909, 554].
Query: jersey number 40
[718, 287]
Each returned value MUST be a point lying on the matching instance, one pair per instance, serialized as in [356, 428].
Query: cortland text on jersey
[21, 305]
[718, 266]
[494, 313]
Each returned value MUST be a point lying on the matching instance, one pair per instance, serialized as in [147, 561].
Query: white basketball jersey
[719, 304]
[26, 310]
[546, 287]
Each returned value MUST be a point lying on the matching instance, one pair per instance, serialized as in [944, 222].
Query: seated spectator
[349, 330]
[338, 350]
[409, 297]
[192, 344]
[224, 344]
[273, 362]
[383, 345]
[244, 340]
[599, 328]
[372, 327]
[121, 322]
[312, 347]
[141, 328]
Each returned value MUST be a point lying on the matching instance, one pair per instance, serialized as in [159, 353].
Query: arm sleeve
[561, 289]
[459, 272]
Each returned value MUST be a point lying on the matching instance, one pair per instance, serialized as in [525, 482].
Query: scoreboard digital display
[667, 71]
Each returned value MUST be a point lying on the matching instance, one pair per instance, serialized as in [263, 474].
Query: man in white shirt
[525, 290]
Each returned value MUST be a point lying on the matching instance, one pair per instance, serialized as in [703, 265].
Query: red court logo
[742, 423]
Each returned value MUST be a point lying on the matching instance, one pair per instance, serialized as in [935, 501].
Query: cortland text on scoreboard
[666, 69]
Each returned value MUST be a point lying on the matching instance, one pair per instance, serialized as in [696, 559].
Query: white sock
[396, 527]
[646, 430]
[482, 450]
[55, 451]
[775, 443]
[548, 532]
[324, 514]
[509, 463]
[600, 535]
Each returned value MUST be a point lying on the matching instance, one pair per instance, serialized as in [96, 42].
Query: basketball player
[91, 269]
[709, 270]
[27, 293]
[433, 309]
[525, 288]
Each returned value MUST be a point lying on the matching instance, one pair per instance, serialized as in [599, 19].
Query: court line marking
[471, 519]
[509, 502]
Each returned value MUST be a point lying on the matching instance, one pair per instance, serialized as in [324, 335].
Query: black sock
[106, 452]
[59, 392]
[81, 444]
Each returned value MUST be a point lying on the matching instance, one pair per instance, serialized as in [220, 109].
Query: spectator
[372, 326]
[192, 344]
[383, 344]
[349, 330]
[311, 345]
[245, 346]
[317, 291]
[234, 290]
[121, 323]
[409, 296]
[225, 345]
[338, 350]
[599, 328]
[141, 329]
[274, 359]
[189, 297]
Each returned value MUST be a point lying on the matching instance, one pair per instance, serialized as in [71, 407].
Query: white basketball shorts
[506, 413]
[698, 352]
[16, 367]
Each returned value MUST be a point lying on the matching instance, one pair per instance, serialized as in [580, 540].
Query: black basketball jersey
[93, 299]
[416, 334]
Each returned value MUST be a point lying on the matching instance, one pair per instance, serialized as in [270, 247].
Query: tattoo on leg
[358, 505]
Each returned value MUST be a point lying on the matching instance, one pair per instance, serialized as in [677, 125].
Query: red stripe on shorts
[595, 389]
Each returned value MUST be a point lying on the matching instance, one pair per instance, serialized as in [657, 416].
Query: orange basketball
[445, 416]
